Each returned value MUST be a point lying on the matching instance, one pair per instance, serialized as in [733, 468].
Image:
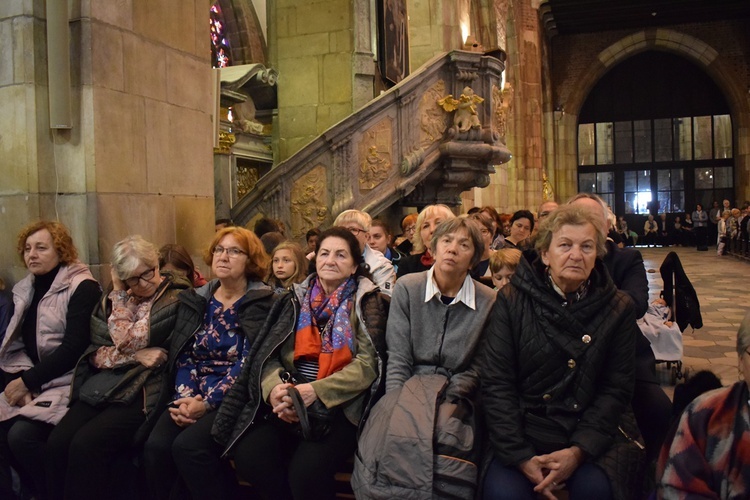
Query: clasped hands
[187, 411]
[281, 401]
[549, 472]
[17, 393]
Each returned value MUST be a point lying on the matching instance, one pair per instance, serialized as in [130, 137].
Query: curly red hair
[63, 243]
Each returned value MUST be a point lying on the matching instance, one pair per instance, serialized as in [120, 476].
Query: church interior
[158, 118]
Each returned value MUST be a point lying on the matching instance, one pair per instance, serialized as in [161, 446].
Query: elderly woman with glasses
[710, 454]
[217, 325]
[118, 380]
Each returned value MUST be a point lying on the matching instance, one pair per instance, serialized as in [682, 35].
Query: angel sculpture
[466, 116]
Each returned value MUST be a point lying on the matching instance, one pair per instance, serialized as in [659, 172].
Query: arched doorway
[655, 135]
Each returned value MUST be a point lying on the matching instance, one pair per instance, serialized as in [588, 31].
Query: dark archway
[655, 135]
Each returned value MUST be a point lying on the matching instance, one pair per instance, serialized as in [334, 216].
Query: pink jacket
[52, 404]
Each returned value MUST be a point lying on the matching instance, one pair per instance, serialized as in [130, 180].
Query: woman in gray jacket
[435, 323]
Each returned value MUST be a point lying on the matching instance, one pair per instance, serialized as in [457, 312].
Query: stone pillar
[323, 52]
[138, 158]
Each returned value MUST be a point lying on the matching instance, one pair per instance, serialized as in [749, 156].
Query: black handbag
[98, 388]
[316, 420]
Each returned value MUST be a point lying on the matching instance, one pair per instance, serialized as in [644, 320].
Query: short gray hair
[454, 225]
[568, 215]
[130, 253]
[743, 336]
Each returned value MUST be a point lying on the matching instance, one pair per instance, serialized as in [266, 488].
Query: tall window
[645, 166]
[219, 43]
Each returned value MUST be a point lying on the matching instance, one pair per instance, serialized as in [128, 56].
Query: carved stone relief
[247, 178]
[309, 201]
[503, 101]
[375, 153]
[432, 120]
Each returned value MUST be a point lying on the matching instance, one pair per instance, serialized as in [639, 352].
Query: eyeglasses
[232, 252]
[355, 230]
[410, 229]
[135, 280]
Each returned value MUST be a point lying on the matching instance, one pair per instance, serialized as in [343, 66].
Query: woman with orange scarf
[291, 418]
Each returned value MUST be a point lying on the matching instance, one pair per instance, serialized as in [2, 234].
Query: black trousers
[85, 444]
[22, 446]
[175, 457]
[280, 465]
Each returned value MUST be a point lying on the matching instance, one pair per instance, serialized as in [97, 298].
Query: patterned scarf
[333, 347]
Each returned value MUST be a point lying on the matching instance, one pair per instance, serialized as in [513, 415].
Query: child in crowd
[288, 266]
[503, 264]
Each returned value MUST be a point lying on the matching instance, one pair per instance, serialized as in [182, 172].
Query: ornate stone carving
[411, 161]
[503, 100]
[247, 178]
[226, 139]
[547, 192]
[374, 168]
[432, 120]
[465, 106]
[309, 201]
[375, 153]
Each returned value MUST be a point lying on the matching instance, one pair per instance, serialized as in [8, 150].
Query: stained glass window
[219, 43]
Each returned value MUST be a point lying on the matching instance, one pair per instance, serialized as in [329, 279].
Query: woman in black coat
[558, 370]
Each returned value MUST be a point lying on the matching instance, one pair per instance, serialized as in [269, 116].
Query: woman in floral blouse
[118, 380]
[217, 325]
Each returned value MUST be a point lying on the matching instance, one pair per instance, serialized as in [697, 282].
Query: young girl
[503, 264]
[288, 266]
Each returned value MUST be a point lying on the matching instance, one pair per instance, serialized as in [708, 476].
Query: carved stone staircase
[401, 148]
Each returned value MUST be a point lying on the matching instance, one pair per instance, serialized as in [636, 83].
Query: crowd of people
[724, 228]
[484, 355]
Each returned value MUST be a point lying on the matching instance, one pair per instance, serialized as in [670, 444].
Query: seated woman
[481, 271]
[405, 242]
[48, 332]
[503, 264]
[118, 381]
[557, 368]
[176, 259]
[288, 267]
[217, 325]
[709, 456]
[435, 323]
[521, 227]
[421, 259]
[379, 238]
[319, 342]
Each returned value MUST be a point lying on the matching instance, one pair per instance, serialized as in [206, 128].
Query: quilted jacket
[161, 325]
[252, 312]
[244, 400]
[556, 374]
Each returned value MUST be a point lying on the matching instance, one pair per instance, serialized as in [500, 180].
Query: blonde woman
[421, 258]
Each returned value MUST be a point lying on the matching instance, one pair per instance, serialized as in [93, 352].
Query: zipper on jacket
[260, 387]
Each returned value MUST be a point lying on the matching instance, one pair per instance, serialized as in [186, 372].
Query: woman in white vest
[48, 332]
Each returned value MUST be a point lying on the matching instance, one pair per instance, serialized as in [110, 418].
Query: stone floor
[720, 283]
